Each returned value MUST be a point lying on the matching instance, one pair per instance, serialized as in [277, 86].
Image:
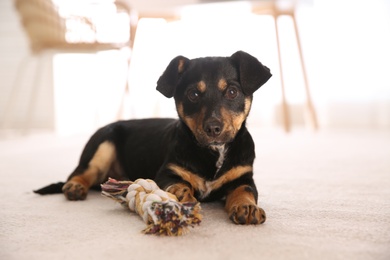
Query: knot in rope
[142, 194]
[160, 210]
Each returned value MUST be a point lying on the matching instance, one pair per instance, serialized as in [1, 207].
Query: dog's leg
[178, 181]
[80, 181]
[242, 207]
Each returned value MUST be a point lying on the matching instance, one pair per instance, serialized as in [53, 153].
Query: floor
[326, 195]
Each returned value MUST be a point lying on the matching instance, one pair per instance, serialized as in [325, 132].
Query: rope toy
[160, 210]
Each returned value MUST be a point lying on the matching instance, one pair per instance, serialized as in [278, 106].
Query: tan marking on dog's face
[194, 122]
[201, 86]
[222, 84]
[233, 121]
[248, 104]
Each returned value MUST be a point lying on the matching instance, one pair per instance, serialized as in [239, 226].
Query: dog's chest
[209, 185]
[221, 158]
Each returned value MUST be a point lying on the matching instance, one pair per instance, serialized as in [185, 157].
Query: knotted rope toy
[160, 210]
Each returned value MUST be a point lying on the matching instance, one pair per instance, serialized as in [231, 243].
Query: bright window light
[91, 21]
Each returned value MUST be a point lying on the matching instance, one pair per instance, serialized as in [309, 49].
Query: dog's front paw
[247, 214]
[182, 192]
[75, 191]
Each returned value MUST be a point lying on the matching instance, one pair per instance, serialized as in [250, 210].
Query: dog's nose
[213, 128]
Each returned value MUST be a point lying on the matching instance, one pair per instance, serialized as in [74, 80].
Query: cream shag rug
[326, 195]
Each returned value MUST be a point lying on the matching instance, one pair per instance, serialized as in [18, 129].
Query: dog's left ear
[167, 82]
[253, 74]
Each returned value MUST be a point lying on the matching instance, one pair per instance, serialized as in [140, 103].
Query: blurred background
[70, 66]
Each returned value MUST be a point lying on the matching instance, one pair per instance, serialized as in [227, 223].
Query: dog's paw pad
[74, 191]
[247, 214]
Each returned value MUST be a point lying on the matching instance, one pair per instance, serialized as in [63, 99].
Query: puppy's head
[213, 95]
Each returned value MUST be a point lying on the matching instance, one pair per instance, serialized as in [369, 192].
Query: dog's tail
[56, 188]
[51, 189]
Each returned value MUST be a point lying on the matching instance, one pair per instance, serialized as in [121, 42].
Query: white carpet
[326, 195]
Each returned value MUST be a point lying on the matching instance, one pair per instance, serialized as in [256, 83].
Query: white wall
[13, 47]
[346, 52]
[353, 61]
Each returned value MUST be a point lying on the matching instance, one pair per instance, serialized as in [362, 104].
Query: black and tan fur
[207, 154]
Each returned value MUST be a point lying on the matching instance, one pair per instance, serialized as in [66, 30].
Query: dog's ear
[253, 74]
[167, 82]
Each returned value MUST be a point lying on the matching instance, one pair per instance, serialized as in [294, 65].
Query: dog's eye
[231, 93]
[193, 95]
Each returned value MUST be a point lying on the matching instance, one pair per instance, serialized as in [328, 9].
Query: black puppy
[207, 154]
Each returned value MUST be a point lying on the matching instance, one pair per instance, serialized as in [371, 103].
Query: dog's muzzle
[214, 133]
[213, 128]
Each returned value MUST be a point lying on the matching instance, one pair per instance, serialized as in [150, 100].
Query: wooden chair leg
[311, 114]
[285, 112]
